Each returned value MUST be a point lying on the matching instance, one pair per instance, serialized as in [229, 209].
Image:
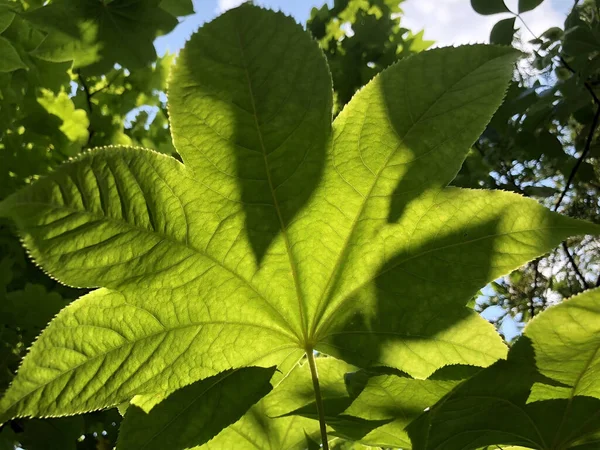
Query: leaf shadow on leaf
[491, 409]
[196, 413]
[290, 148]
[429, 167]
[405, 314]
[268, 139]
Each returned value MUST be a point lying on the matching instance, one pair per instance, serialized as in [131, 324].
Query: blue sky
[447, 22]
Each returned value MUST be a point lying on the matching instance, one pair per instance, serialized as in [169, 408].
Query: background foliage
[67, 84]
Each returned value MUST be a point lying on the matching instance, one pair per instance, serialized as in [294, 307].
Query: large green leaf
[566, 339]
[281, 232]
[91, 32]
[196, 413]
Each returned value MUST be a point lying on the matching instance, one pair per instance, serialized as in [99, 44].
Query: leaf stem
[315, 379]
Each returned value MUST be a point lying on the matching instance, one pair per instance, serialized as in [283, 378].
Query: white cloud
[453, 22]
[224, 5]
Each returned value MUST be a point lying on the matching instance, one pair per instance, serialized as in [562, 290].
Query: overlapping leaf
[566, 339]
[281, 232]
[512, 403]
[196, 413]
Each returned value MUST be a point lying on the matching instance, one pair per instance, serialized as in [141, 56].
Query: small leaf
[9, 57]
[487, 7]
[6, 17]
[75, 122]
[503, 32]
[195, 413]
[528, 5]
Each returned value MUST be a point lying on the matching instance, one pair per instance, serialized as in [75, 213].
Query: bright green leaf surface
[400, 400]
[295, 396]
[296, 390]
[566, 339]
[256, 430]
[498, 231]
[196, 413]
[75, 122]
[281, 232]
[250, 103]
[487, 7]
[397, 397]
[259, 429]
[9, 58]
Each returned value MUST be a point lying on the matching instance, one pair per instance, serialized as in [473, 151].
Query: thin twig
[584, 284]
[576, 167]
[584, 153]
[580, 160]
[535, 285]
[88, 99]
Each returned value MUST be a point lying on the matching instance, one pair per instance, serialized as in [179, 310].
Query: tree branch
[535, 285]
[582, 157]
[88, 100]
[584, 284]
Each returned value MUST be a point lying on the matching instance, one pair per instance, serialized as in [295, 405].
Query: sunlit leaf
[566, 339]
[195, 413]
[280, 233]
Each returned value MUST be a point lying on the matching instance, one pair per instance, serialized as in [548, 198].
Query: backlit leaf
[566, 339]
[495, 408]
[280, 233]
[195, 413]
